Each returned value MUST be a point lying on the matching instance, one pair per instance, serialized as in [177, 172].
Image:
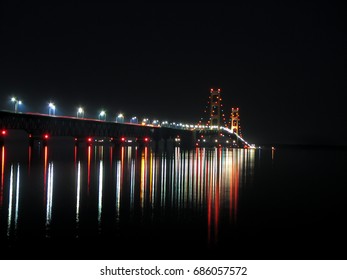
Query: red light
[3, 132]
[122, 139]
[146, 139]
[89, 139]
[45, 136]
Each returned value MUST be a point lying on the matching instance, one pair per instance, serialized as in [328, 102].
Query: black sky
[283, 65]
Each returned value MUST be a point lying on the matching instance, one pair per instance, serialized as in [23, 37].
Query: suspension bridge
[212, 130]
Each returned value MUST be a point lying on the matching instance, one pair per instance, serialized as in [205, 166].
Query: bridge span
[41, 127]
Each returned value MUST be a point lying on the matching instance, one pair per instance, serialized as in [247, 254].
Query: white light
[16, 103]
[51, 106]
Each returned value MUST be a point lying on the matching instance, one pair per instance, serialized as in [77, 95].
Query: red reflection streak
[209, 205]
[200, 177]
[218, 179]
[197, 175]
[45, 173]
[88, 166]
[231, 205]
[29, 159]
[2, 174]
[236, 191]
[75, 155]
[236, 186]
[111, 158]
[196, 172]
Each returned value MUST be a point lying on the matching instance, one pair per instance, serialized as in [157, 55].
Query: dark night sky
[283, 65]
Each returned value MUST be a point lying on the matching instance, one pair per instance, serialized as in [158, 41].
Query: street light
[16, 102]
[120, 118]
[102, 115]
[80, 112]
[133, 120]
[51, 108]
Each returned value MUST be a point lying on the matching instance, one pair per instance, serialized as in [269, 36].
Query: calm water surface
[104, 202]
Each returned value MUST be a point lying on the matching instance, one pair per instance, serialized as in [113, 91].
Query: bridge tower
[235, 121]
[215, 108]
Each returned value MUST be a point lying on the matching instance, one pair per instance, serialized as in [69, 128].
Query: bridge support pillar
[80, 141]
[38, 139]
[188, 140]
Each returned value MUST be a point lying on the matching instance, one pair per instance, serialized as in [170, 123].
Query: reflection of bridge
[40, 127]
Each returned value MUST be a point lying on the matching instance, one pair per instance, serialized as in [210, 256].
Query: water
[103, 202]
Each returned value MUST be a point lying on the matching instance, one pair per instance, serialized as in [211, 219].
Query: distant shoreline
[305, 146]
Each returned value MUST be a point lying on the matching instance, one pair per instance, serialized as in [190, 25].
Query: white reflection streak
[142, 182]
[214, 174]
[49, 194]
[191, 178]
[204, 174]
[186, 195]
[100, 191]
[179, 174]
[17, 199]
[10, 203]
[118, 180]
[172, 173]
[199, 180]
[78, 191]
[132, 184]
[163, 184]
[153, 176]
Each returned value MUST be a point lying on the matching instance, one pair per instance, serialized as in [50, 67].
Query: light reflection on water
[13, 199]
[2, 175]
[77, 199]
[130, 184]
